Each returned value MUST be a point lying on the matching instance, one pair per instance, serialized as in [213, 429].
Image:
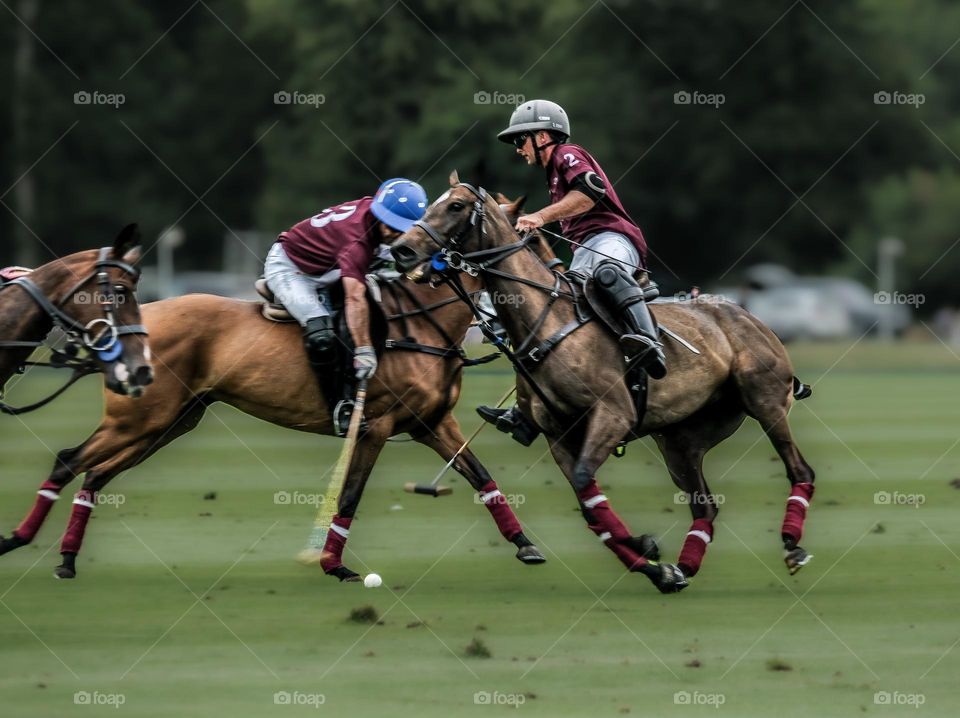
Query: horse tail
[800, 390]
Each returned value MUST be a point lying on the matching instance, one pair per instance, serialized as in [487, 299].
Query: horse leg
[686, 470]
[85, 499]
[446, 439]
[768, 402]
[364, 457]
[683, 447]
[65, 469]
[111, 451]
[580, 466]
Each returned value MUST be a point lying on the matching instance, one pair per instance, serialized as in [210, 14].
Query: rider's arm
[358, 315]
[573, 204]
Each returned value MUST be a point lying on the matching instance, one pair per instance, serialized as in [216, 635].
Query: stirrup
[341, 418]
[649, 355]
[512, 422]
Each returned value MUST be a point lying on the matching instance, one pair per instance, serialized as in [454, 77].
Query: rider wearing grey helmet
[608, 245]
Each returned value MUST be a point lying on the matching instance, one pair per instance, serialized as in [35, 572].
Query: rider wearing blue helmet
[340, 243]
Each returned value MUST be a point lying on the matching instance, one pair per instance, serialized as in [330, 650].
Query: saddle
[594, 300]
[8, 274]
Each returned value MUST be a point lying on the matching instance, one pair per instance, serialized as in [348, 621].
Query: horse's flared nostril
[144, 376]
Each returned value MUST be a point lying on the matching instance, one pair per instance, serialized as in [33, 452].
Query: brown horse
[91, 297]
[208, 349]
[573, 389]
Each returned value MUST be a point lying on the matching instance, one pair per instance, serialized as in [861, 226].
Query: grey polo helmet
[536, 115]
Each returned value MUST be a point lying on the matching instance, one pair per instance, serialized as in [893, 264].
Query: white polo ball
[372, 580]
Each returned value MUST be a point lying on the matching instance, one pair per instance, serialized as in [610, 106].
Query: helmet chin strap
[537, 148]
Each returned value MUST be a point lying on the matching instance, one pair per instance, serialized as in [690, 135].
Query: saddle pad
[8, 274]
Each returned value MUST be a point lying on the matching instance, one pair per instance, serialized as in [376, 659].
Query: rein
[450, 257]
[99, 336]
[408, 343]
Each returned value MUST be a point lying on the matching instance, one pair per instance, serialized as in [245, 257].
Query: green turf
[577, 636]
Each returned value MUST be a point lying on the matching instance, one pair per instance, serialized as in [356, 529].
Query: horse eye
[456, 206]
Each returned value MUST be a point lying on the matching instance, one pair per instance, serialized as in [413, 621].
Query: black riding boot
[510, 421]
[320, 341]
[642, 345]
[625, 295]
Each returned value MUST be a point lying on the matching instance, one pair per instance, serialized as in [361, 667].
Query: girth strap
[540, 352]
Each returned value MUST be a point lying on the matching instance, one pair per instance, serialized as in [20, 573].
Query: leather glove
[364, 362]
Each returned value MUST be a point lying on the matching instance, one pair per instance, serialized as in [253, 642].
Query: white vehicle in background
[799, 313]
[797, 307]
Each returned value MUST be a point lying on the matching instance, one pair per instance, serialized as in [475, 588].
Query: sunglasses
[520, 140]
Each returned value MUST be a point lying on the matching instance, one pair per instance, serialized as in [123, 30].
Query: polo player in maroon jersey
[340, 243]
[608, 245]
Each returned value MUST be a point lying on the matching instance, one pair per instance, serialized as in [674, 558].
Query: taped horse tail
[800, 390]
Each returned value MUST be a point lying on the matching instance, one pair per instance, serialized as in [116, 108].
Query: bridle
[100, 336]
[450, 256]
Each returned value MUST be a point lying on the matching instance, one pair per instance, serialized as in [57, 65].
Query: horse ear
[519, 202]
[454, 179]
[125, 245]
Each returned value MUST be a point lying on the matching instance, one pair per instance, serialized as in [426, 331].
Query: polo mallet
[313, 551]
[432, 489]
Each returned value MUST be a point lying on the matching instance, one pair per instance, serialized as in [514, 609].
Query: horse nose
[405, 256]
[144, 376]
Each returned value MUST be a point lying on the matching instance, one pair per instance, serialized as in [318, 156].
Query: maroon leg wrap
[337, 536]
[605, 523]
[83, 504]
[695, 546]
[796, 512]
[49, 492]
[496, 504]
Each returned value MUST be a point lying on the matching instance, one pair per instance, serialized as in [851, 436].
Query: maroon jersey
[569, 162]
[344, 236]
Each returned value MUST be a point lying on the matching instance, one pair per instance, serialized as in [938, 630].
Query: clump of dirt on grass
[778, 664]
[878, 529]
[364, 614]
[695, 663]
[955, 483]
[477, 649]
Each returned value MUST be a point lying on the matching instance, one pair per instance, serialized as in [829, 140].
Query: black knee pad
[620, 287]
[607, 274]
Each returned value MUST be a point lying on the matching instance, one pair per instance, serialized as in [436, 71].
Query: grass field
[194, 607]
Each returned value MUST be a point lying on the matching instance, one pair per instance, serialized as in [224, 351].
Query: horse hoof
[645, 545]
[8, 544]
[796, 558]
[64, 572]
[344, 574]
[665, 576]
[531, 555]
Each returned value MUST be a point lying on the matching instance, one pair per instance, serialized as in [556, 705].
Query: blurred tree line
[797, 165]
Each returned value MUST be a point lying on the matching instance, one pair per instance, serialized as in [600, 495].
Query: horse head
[463, 219]
[101, 311]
